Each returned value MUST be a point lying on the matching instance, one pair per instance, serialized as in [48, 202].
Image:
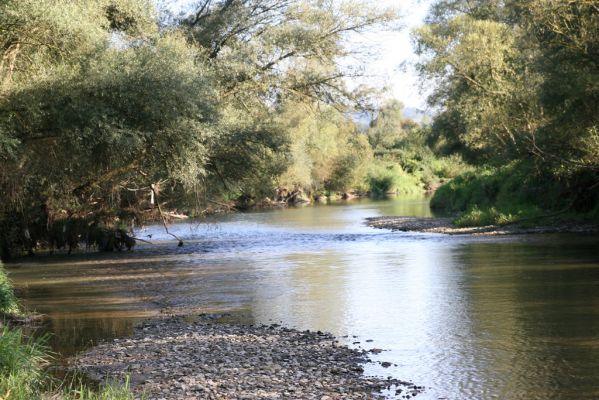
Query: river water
[466, 317]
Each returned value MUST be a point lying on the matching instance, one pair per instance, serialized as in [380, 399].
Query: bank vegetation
[516, 89]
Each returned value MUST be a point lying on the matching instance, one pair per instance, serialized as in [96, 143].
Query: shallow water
[468, 318]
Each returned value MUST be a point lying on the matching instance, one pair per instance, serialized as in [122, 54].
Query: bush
[506, 188]
[515, 192]
[386, 178]
[8, 301]
[450, 167]
[21, 361]
[487, 216]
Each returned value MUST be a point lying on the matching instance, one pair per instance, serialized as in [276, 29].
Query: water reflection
[470, 318]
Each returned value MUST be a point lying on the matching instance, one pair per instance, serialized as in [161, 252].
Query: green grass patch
[8, 301]
[110, 390]
[518, 192]
[492, 216]
[22, 374]
[21, 362]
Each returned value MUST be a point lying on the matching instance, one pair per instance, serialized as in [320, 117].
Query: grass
[22, 374]
[8, 301]
[517, 193]
[491, 216]
[21, 363]
[110, 390]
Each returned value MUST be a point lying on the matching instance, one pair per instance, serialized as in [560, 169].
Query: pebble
[173, 358]
[446, 226]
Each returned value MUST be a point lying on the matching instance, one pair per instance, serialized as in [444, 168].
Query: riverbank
[446, 226]
[174, 358]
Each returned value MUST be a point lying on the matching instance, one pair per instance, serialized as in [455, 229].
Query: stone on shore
[175, 359]
[446, 226]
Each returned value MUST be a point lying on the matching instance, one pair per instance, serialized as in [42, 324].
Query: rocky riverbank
[176, 359]
[446, 226]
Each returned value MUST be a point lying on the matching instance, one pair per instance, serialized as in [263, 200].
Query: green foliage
[490, 216]
[326, 150]
[514, 79]
[387, 129]
[449, 167]
[515, 192]
[516, 183]
[21, 359]
[483, 84]
[22, 376]
[408, 148]
[516, 85]
[109, 390]
[99, 100]
[8, 301]
[386, 178]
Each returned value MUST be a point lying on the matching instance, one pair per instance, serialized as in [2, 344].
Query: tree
[513, 78]
[387, 129]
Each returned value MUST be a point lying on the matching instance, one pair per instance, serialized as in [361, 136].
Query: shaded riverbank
[174, 358]
[446, 226]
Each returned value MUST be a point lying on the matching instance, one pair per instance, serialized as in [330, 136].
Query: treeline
[517, 93]
[331, 156]
[114, 112]
[110, 108]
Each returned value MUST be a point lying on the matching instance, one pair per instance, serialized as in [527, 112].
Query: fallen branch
[142, 240]
[162, 217]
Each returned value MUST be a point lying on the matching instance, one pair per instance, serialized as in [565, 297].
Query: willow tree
[515, 79]
[96, 101]
[268, 55]
[516, 85]
[327, 153]
[103, 104]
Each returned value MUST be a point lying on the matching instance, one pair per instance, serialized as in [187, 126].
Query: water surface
[469, 318]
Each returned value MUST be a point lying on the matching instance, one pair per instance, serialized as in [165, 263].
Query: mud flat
[173, 358]
[446, 226]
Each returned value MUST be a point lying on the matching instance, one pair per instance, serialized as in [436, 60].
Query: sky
[391, 50]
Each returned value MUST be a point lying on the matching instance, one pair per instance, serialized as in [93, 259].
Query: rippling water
[469, 318]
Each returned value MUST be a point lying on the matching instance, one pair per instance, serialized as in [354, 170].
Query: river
[467, 317]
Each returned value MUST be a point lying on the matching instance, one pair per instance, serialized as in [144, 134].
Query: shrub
[8, 301]
[386, 178]
[21, 361]
[513, 193]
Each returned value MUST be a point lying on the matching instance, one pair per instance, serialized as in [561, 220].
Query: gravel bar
[174, 358]
[446, 226]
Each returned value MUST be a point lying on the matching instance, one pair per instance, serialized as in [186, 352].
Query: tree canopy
[515, 79]
[101, 101]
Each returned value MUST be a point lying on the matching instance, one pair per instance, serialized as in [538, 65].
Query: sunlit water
[468, 318]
